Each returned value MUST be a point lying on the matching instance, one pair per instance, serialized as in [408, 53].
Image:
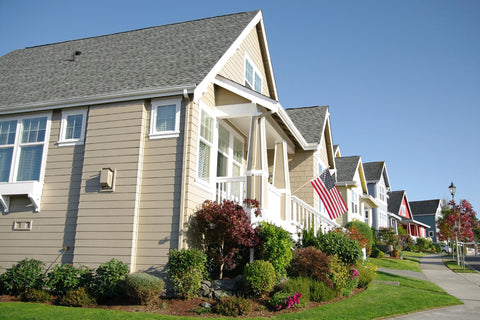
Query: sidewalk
[464, 286]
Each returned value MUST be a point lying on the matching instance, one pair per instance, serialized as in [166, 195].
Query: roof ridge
[140, 29]
[307, 107]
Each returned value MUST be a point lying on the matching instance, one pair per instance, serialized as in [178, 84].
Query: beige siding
[234, 68]
[302, 166]
[107, 220]
[53, 228]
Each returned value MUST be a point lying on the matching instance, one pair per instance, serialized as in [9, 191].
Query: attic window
[253, 78]
[165, 118]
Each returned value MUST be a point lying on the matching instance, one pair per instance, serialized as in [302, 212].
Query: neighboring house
[378, 184]
[428, 212]
[109, 144]
[305, 165]
[398, 204]
[351, 183]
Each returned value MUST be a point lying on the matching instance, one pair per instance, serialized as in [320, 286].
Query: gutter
[97, 99]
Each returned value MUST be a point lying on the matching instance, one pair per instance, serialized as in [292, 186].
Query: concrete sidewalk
[464, 286]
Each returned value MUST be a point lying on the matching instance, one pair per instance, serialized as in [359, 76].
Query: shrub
[340, 275]
[320, 292]
[375, 251]
[233, 306]
[388, 235]
[381, 255]
[297, 285]
[337, 243]
[27, 274]
[308, 238]
[310, 262]
[259, 277]
[143, 287]
[352, 282]
[34, 295]
[76, 298]
[364, 232]
[275, 247]
[423, 244]
[109, 279]
[186, 269]
[282, 300]
[395, 253]
[366, 272]
[67, 277]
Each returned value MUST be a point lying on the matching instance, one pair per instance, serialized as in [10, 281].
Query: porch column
[281, 178]
[257, 163]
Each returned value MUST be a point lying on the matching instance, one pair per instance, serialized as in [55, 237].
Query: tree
[461, 214]
[225, 230]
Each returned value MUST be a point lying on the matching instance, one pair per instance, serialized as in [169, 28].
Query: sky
[401, 78]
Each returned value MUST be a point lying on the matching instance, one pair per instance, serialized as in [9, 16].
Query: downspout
[184, 170]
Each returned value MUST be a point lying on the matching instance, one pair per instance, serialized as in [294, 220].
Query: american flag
[331, 198]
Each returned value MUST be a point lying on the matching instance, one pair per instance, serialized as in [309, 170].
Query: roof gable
[425, 207]
[375, 171]
[169, 56]
[395, 201]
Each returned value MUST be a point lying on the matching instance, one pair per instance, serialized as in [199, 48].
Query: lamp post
[453, 189]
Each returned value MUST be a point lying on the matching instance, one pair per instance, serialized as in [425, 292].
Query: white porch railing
[302, 215]
[231, 188]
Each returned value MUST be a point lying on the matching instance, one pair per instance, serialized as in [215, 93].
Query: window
[22, 148]
[354, 202]
[253, 78]
[24, 225]
[205, 145]
[72, 128]
[430, 234]
[381, 193]
[165, 118]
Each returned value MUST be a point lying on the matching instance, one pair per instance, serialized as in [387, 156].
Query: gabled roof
[424, 207]
[395, 201]
[374, 170]
[178, 55]
[311, 121]
[346, 168]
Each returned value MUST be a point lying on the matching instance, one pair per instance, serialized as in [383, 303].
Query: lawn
[452, 265]
[399, 264]
[379, 300]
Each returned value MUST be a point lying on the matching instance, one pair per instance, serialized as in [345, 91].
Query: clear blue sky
[402, 78]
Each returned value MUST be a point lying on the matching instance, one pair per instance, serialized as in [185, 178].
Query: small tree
[361, 232]
[225, 230]
[458, 220]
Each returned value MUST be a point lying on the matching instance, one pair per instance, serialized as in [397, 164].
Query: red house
[398, 205]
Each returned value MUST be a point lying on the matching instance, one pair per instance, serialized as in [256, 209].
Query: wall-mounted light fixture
[107, 179]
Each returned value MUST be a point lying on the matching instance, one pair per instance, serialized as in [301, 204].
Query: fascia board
[267, 52]
[99, 99]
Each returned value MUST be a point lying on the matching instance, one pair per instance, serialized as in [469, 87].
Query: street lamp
[452, 189]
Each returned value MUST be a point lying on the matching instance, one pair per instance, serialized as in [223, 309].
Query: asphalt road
[473, 262]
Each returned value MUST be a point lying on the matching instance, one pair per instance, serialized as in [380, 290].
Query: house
[398, 204]
[378, 184]
[109, 144]
[351, 183]
[428, 212]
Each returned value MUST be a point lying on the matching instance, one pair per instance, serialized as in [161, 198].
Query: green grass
[452, 265]
[398, 264]
[379, 300]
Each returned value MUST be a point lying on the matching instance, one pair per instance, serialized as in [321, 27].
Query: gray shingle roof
[425, 207]
[158, 57]
[346, 168]
[395, 201]
[373, 170]
[310, 121]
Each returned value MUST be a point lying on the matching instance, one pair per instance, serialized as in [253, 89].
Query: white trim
[210, 184]
[255, 71]
[97, 99]
[63, 126]
[154, 134]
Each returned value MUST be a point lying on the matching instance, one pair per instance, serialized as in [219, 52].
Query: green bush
[310, 262]
[308, 238]
[233, 306]
[259, 277]
[67, 277]
[340, 275]
[337, 243]
[109, 278]
[366, 272]
[381, 255]
[363, 229]
[76, 298]
[423, 244]
[186, 270]
[276, 247]
[320, 292]
[375, 251]
[34, 295]
[296, 285]
[143, 287]
[27, 274]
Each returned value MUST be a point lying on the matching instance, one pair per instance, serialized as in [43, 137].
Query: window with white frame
[354, 201]
[205, 146]
[381, 193]
[72, 127]
[230, 153]
[23, 142]
[165, 118]
[253, 78]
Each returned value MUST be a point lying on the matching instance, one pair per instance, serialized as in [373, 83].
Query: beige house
[109, 144]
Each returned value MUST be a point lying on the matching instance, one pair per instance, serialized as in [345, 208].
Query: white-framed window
[430, 234]
[381, 193]
[253, 78]
[354, 201]
[205, 146]
[72, 127]
[23, 147]
[165, 118]
[230, 153]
